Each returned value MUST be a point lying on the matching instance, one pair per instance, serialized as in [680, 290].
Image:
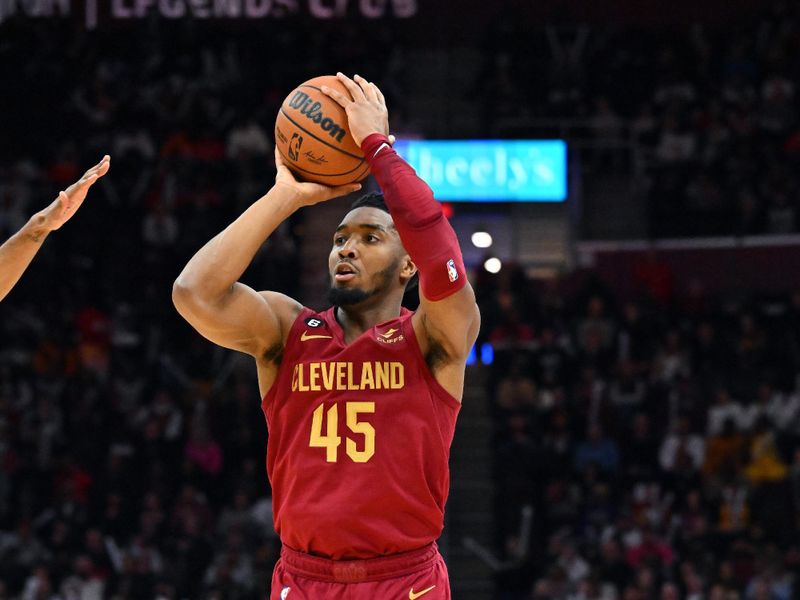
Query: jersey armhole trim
[436, 387]
[304, 313]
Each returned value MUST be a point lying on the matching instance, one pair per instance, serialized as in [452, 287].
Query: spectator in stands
[516, 391]
[682, 451]
[765, 464]
[627, 392]
[725, 455]
[597, 450]
[671, 360]
[651, 548]
[724, 409]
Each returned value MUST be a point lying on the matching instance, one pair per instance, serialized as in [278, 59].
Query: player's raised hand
[308, 193]
[69, 201]
[365, 107]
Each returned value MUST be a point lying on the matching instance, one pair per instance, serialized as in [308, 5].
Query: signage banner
[94, 13]
[490, 170]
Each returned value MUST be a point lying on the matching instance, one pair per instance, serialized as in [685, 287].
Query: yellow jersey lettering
[398, 375]
[367, 380]
[381, 375]
[347, 376]
[314, 376]
[340, 375]
[301, 385]
[350, 384]
[327, 375]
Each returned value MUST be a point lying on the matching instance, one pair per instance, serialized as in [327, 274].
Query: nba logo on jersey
[451, 270]
[285, 592]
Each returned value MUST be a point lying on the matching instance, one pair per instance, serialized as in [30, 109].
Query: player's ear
[407, 268]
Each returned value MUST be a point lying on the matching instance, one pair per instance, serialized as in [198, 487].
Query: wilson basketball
[311, 133]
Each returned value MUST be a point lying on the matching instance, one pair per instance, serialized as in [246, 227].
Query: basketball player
[18, 251]
[361, 399]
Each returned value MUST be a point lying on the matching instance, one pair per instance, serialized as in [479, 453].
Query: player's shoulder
[286, 308]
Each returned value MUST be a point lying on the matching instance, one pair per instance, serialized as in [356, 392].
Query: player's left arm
[447, 320]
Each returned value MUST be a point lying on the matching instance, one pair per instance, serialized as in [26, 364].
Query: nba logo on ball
[294, 146]
[285, 592]
[451, 270]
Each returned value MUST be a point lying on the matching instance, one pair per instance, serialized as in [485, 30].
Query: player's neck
[355, 320]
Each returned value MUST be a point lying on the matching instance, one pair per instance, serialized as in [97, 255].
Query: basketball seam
[299, 168]
[296, 124]
[366, 170]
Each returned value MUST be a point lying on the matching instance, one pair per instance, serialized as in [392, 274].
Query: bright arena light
[481, 239]
[493, 265]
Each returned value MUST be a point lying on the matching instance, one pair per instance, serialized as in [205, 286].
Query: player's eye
[339, 240]
[372, 238]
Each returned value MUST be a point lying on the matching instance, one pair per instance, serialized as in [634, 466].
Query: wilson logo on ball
[313, 111]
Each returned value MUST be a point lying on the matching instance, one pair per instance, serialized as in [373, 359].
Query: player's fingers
[280, 163]
[341, 99]
[283, 173]
[392, 140]
[343, 190]
[378, 93]
[355, 90]
[367, 88]
[96, 173]
[88, 180]
[103, 164]
[103, 167]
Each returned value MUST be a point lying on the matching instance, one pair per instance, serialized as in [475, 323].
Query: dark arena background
[631, 417]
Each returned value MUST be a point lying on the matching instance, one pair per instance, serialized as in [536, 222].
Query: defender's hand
[365, 107]
[308, 193]
[68, 202]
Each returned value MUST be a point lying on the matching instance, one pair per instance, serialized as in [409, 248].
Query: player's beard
[352, 296]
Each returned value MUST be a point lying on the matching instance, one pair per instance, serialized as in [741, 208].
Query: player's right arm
[208, 294]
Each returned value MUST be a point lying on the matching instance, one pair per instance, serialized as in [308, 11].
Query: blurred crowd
[643, 450]
[705, 116]
[652, 444]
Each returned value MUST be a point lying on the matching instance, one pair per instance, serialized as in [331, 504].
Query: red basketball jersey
[359, 440]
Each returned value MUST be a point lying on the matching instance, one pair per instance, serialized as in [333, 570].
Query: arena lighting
[487, 353]
[493, 265]
[481, 239]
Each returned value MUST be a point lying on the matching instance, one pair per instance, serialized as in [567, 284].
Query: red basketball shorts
[419, 574]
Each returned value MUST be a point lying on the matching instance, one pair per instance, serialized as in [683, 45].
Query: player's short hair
[371, 200]
[376, 200]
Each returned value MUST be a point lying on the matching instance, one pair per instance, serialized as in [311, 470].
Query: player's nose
[348, 249]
